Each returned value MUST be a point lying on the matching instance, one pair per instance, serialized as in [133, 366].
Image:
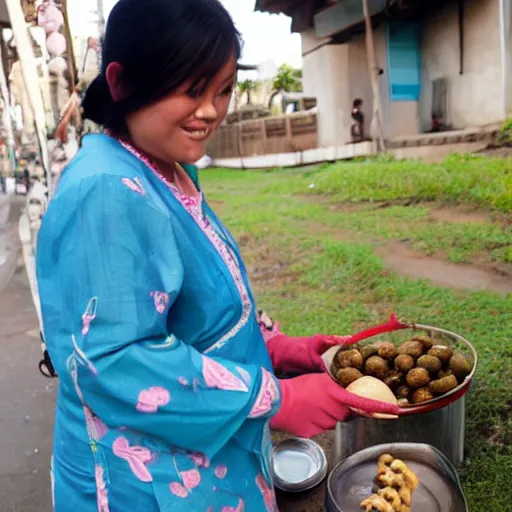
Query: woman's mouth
[197, 134]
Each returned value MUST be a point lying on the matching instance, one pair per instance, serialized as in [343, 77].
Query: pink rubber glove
[301, 355]
[312, 404]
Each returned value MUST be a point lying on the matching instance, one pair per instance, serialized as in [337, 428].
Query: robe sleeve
[128, 367]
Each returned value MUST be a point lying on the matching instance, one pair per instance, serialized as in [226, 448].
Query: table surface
[310, 501]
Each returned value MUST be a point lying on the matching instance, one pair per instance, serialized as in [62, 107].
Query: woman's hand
[312, 404]
[303, 354]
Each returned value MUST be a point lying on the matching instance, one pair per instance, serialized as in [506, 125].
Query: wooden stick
[374, 73]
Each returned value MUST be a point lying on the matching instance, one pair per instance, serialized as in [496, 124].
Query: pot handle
[394, 324]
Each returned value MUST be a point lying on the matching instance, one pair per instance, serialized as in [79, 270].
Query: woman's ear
[114, 76]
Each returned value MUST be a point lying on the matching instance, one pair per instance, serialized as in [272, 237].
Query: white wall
[325, 76]
[476, 97]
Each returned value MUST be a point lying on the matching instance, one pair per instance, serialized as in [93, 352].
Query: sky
[267, 37]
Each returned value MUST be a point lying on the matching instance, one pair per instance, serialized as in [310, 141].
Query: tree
[288, 79]
[247, 87]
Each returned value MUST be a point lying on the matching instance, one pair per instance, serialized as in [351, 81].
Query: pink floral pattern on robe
[217, 376]
[153, 398]
[136, 456]
[161, 300]
[101, 490]
[267, 396]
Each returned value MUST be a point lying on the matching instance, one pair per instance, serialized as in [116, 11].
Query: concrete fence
[273, 135]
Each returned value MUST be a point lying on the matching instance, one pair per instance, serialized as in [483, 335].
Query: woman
[166, 384]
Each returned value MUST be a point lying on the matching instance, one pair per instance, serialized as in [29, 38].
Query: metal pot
[351, 481]
[439, 422]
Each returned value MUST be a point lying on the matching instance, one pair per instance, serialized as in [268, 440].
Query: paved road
[26, 398]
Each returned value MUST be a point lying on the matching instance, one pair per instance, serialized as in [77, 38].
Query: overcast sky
[267, 37]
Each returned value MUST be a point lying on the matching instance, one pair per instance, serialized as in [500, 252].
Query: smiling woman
[167, 382]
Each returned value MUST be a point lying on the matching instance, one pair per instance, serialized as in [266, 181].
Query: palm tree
[288, 79]
[247, 87]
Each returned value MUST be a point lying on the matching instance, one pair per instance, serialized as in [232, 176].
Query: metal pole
[8, 116]
[101, 18]
[374, 73]
[31, 79]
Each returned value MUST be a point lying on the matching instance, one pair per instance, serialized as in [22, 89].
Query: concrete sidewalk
[26, 397]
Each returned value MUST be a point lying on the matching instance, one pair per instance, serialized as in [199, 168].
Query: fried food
[411, 348]
[387, 350]
[442, 352]
[345, 376]
[377, 367]
[441, 386]
[395, 486]
[460, 366]
[422, 395]
[431, 363]
[349, 359]
[417, 378]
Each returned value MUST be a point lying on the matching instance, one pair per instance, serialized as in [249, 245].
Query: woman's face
[176, 128]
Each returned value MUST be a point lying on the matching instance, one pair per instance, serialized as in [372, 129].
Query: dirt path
[410, 263]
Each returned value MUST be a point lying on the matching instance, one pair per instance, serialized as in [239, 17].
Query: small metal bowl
[298, 464]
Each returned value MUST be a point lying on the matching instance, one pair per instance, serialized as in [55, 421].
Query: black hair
[161, 44]
[357, 103]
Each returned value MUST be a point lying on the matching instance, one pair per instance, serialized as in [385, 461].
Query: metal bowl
[298, 464]
[351, 481]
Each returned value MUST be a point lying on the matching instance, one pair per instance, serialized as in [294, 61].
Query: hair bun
[98, 101]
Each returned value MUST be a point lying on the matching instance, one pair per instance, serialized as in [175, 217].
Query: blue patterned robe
[166, 386]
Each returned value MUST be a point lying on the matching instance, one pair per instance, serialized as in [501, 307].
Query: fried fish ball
[394, 379]
[377, 367]
[386, 459]
[411, 348]
[345, 376]
[417, 378]
[402, 392]
[376, 502]
[404, 363]
[441, 386]
[391, 496]
[460, 366]
[442, 352]
[424, 340]
[431, 363]
[368, 351]
[445, 373]
[422, 395]
[350, 359]
[387, 350]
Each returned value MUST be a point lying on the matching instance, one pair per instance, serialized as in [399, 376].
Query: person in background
[167, 383]
[357, 128]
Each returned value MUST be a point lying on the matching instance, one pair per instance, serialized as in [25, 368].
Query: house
[448, 60]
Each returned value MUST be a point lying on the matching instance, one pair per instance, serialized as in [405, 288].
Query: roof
[246, 67]
[301, 11]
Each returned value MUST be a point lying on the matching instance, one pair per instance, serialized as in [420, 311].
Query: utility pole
[374, 74]
[101, 18]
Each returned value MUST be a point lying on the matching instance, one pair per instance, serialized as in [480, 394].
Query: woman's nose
[207, 111]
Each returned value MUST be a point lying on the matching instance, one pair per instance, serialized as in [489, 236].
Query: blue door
[404, 60]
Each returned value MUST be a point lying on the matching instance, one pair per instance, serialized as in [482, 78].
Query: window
[404, 60]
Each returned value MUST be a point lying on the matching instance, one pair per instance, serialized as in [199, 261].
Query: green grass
[315, 269]
[466, 179]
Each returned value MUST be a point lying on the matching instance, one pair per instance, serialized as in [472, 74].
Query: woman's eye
[195, 93]
[228, 91]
